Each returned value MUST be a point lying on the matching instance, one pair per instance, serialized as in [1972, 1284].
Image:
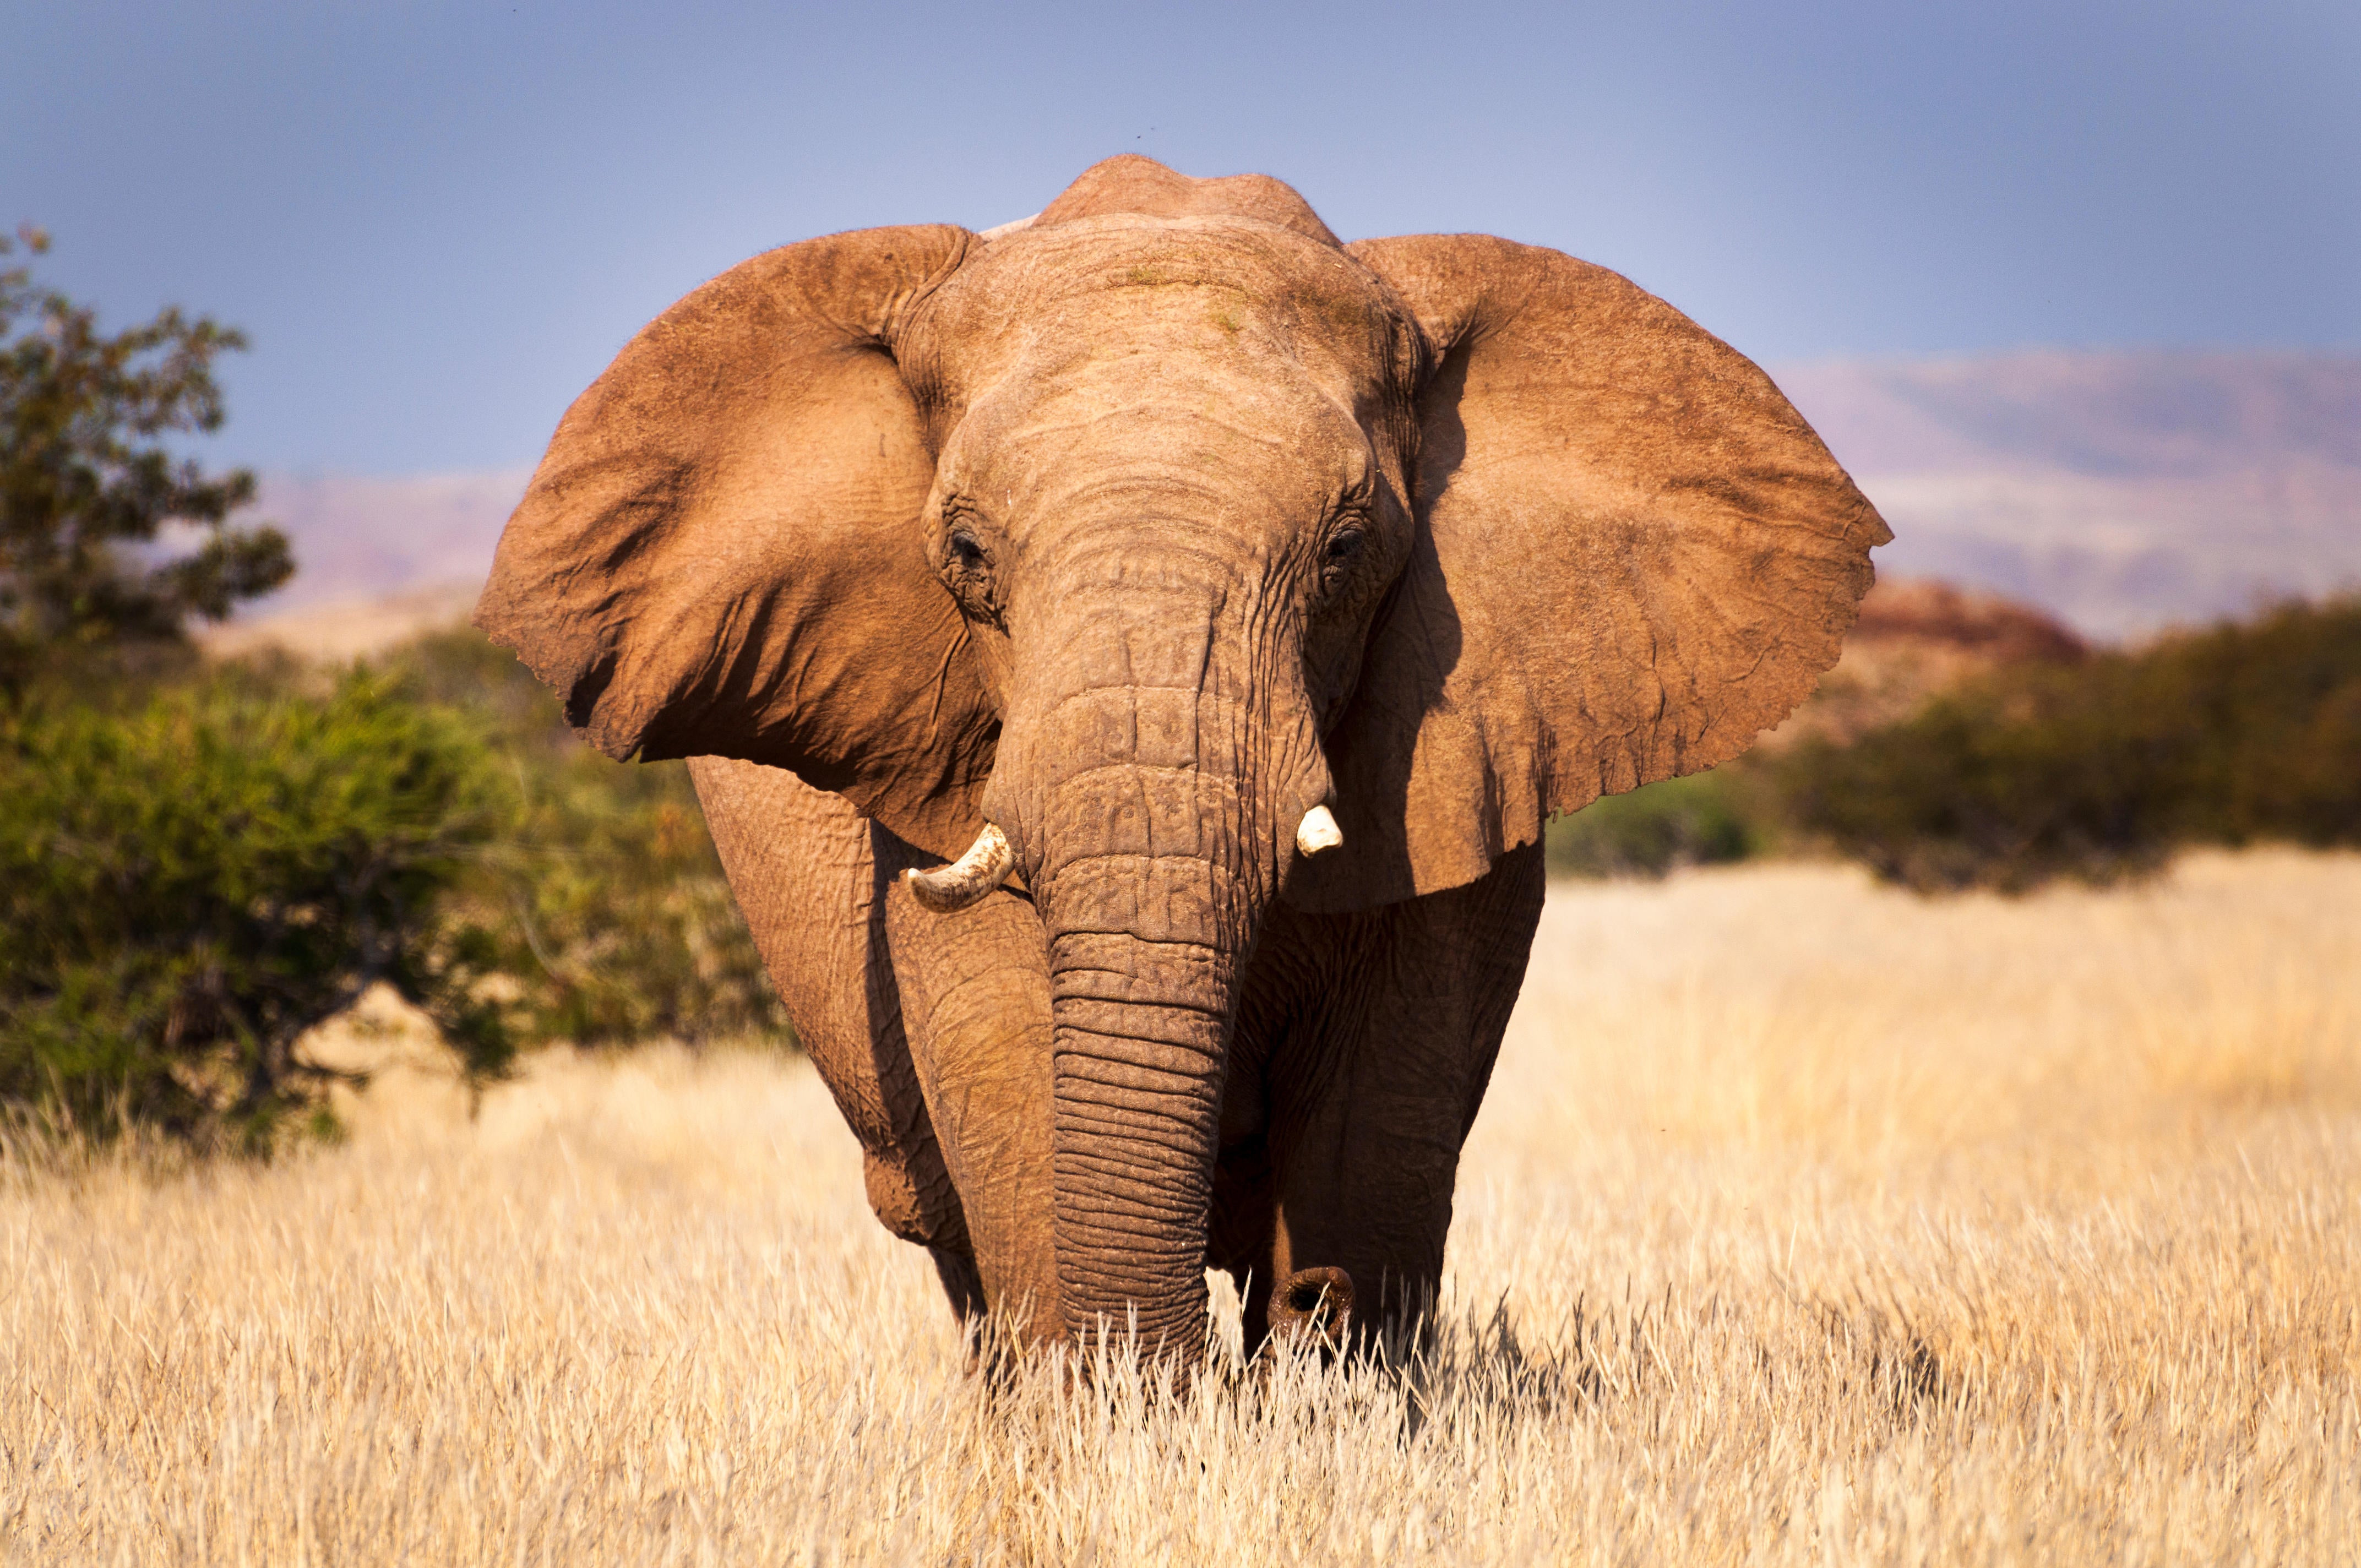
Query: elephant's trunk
[1149, 924]
[1151, 813]
[1313, 1302]
[1141, 1027]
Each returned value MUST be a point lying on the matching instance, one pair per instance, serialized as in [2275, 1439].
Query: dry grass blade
[1807, 1223]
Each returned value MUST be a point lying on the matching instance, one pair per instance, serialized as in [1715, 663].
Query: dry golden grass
[1806, 1223]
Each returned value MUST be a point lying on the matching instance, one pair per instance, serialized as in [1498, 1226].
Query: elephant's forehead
[1096, 424]
[1202, 288]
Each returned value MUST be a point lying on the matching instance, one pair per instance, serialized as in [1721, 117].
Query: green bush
[620, 915]
[189, 885]
[2275, 704]
[1706, 818]
[609, 898]
[197, 867]
[2102, 770]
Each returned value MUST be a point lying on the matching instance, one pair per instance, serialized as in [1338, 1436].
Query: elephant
[1127, 659]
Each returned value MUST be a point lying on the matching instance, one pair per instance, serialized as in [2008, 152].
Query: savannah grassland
[1806, 1223]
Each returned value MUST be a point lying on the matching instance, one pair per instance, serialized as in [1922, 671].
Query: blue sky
[438, 221]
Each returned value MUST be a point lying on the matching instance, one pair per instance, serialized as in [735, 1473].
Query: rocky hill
[1916, 636]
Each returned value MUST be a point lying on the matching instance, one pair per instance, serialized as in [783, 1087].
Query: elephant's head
[1168, 537]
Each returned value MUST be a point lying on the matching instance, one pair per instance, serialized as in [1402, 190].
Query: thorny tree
[88, 481]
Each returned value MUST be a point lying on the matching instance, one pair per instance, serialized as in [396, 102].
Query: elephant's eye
[967, 571]
[1338, 555]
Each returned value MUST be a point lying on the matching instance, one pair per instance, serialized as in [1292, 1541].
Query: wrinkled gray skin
[1139, 531]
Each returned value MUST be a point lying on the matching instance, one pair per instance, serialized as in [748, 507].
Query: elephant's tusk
[955, 886]
[1319, 831]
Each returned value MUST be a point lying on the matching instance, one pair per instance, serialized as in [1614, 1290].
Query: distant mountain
[377, 560]
[2121, 491]
[361, 540]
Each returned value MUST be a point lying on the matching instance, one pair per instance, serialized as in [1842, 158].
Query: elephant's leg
[975, 1001]
[801, 865]
[1376, 1034]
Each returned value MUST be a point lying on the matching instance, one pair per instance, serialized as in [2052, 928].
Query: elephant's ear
[1632, 557]
[720, 555]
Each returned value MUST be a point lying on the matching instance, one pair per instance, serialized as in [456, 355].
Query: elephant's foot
[1316, 1303]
